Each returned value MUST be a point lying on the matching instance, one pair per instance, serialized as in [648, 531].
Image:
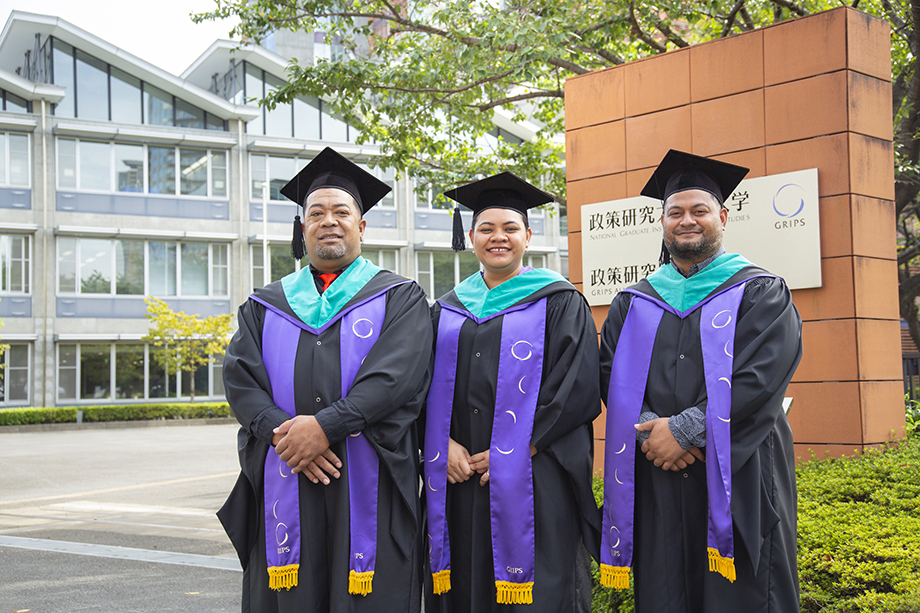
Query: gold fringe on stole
[514, 593]
[283, 577]
[616, 577]
[723, 566]
[441, 581]
[360, 583]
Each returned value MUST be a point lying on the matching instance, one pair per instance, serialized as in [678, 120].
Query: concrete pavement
[117, 520]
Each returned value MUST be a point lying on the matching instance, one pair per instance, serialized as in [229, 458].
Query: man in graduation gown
[327, 375]
[697, 358]
[508, 440]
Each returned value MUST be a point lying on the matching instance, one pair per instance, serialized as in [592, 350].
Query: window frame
[113, 174]
[5, 368]
[27, 265]
[7, 160]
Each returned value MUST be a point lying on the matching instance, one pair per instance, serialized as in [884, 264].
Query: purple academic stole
[628, 380]
[511, 498]
[360, 328]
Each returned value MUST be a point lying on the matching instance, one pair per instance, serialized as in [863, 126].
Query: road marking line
[118, 489]
[121, 553]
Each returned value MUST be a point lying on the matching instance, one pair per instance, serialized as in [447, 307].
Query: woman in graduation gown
[508, 449]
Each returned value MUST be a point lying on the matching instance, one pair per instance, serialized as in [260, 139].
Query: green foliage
[859, 531]
[859, 534]
[185, 342]
[131, 412]
[911, 415]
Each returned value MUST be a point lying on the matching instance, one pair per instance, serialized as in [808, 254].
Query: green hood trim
[315, 309]
[682, 293]
[483, 302]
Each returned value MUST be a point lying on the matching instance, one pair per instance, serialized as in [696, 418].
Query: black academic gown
[387, 395]
[670, 561]
[564, 508]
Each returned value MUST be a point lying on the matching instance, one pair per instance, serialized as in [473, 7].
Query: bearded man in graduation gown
[508, 440]
[695, 360]
[327, 375]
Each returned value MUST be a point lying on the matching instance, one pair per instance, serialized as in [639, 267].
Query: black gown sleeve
[246, 382]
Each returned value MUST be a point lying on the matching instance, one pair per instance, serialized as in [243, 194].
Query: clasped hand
[461, 465]
[663, 450]
[303, 446]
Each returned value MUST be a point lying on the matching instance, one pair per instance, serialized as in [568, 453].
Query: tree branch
[640, 33]
[670, 34]
[746, 17]
[730, 20]
[610, 56]
[792, 6]
[518, 98]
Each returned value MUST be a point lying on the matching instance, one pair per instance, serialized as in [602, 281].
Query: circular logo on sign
[789, 200]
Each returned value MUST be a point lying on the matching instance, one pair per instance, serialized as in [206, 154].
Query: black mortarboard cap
[680, 171]
[505, 191]
[331, 169]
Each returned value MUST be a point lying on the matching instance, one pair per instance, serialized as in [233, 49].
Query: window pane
[18, 264]
[253, 95]
[257, 270]
[201, 382]
[19, 159]
[129, 168]
[95, 373]
[161, 166]
[215, 123]
[94, 166]
[129, 371]
[129, 267]
[95, 266]
[219, 270]
[188, 116]
[306, 118]
[2, 159]
[443, 273]
[257, 172]
[62, 58]
[282, 262]
[280, 171]
[388, 260]
[67, 265]
[67, 163]
[5, 257]
[193, 166]
[158, 106]
[217, 376]
[371, 256]
[15, 104]
[333, 129]
[218, 174]
[67, 371]
[194, 269]
[158, 380]
[92, 88]
[17, 360]
[277, 120]
[469, 264]
[162, 268]
[126, 97]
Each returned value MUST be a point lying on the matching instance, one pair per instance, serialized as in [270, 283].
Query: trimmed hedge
[129, 412]
[859, 535]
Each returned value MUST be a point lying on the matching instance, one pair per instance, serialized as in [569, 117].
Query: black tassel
[665, 257]
[298, 247]
[458, 242]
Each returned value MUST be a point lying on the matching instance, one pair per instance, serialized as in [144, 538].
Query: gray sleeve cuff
[645, 416]
[689, 428]
[263, 426]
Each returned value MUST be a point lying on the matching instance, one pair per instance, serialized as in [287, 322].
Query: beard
[698, 250]
[330, 252]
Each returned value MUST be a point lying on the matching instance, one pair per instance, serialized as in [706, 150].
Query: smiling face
[692, 222]
[499, 239]
[332, 229]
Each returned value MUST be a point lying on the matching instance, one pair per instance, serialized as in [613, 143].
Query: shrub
[130, 412]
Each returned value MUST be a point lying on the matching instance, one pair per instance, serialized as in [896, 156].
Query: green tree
[424, 79]
[185, 342]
